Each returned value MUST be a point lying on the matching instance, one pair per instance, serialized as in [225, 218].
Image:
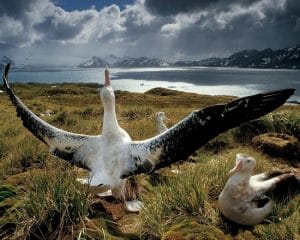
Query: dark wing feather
[198, 128]
[62, 144]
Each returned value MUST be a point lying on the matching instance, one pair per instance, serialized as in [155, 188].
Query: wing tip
[286, 93]
[5, 75]
[289, 91]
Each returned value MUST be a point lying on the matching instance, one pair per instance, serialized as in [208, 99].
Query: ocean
[212, 81]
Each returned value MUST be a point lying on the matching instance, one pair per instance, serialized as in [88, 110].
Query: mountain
[126, 62]
[112, 59]
[93, 63]
[267, 58]
[5, 60]
[212, 62]
[139, 62]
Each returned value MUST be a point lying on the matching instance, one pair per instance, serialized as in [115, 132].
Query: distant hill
[139, 62]
[114, 61]
[267, 58]
[94, 62]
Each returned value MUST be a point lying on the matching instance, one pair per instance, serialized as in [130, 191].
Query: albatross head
[107, 93]
[160, 116]
[243, 163]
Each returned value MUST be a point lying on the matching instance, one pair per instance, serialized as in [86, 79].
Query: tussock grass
[183, 195]
[273, 122]
[55, 201]
[193, 194]
[182, 207]
[29, 152]
[3, 148]
[137, 113]
[279, 227]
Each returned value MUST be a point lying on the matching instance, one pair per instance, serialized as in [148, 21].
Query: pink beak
[107, 81]
[236, 168]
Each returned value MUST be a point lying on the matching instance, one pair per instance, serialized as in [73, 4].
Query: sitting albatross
[113, 156]
[243, 198]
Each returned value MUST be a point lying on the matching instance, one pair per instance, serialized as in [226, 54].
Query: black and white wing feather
[62, 144]
[198, 128]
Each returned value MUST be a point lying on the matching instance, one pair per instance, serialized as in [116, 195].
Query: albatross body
[243, 198]
[113, 156]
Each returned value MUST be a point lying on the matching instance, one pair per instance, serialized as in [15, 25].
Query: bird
[160, 118]
[113, 156]
[244, 199]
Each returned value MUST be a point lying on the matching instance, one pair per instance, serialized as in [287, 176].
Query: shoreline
[97, 86]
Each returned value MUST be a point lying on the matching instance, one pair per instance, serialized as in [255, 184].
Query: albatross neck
[241, 177]
[161, 126]
[110, 123]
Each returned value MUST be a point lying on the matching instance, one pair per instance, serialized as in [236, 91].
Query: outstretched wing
[198, 128]
[62, 144]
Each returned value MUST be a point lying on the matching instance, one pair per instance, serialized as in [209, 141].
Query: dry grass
[183, 206]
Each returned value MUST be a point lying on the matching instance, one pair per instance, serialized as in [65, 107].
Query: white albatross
[243, 198]
[113, 156]
[160, 118]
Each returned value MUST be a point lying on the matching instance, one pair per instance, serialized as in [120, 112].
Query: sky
[70, 32]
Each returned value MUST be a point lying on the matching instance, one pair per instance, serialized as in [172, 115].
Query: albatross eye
[248, 161]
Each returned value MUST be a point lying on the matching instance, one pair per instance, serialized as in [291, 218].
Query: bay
[213, 81]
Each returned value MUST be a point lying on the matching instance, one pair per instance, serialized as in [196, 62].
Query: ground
[41, 199]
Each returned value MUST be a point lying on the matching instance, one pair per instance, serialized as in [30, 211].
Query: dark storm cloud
[262, 24]
[54, 28]
[61, 31]
[16, 8]
[293, 7]
[166, 29]
[171, 7]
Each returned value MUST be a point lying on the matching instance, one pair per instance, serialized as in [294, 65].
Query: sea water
[213, 81]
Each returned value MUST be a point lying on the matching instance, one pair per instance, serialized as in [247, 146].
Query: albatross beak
[107, 81]
[236, 168]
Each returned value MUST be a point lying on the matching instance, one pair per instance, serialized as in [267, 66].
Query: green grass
[48, 203]
[55, 201]
[181, 196]
[274, 122]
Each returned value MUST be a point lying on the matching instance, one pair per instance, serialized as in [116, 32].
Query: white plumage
[243, 198]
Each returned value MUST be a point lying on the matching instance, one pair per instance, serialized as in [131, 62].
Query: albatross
[243, 199]
[113, 156]
[160, 118]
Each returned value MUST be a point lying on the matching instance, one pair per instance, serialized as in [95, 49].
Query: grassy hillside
[40, 197]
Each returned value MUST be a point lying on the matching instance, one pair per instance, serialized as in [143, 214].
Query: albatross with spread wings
[113, 156]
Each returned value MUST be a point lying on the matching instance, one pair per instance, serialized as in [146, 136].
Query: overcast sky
[69, 32]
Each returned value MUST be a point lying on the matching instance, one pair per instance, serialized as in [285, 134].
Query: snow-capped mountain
[93, 63]
[139, 62]
[114, 61]
[267, 58]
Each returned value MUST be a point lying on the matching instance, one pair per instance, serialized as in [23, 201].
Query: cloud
[170, 7]
[156, 28]
[218, 30]
[41, 20]
[137, 14]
